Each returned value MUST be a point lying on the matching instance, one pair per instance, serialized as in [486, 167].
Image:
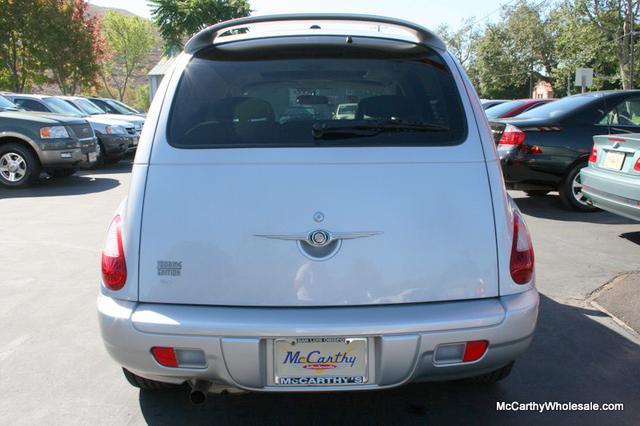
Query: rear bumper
[612, 192]
[237, 341]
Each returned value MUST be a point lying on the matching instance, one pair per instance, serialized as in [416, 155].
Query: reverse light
[522, 258]
[114, 267]
[511, 136]
[455, 353]
[593, 157]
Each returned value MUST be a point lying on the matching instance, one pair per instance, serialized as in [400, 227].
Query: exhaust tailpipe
[199, 391]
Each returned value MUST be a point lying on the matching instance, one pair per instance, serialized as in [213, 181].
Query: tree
[129, 40]
[463, 44]
[21, 43]
[617, 19]
[178, 19]
[580, 44]
[515, 53]
[75, 47]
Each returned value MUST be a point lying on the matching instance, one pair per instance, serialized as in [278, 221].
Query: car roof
[29, 95]
[601, 93]
[305, 24]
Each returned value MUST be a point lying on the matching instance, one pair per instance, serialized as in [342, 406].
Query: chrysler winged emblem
[320, 237]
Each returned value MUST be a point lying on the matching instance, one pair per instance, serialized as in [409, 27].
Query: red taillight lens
[593, 157]
[522, 259]
[636, 166]
[474, 350]
[114, 267]
[165, 356]
[512, 136]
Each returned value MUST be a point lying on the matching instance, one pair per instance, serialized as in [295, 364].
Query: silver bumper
[237, 341]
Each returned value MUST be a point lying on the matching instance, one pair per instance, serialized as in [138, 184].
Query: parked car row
[544, 149]
[60, 134]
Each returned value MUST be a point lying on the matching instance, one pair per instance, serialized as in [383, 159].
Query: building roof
[162, 66]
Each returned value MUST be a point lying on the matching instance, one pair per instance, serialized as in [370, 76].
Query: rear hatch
[234, 193]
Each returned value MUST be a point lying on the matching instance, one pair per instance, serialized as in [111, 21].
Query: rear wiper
[371, 128]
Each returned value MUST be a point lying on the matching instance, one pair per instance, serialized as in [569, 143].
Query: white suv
[315, 254]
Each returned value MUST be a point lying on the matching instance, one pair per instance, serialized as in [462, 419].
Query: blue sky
[429, 13]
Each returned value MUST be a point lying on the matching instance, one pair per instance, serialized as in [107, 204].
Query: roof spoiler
[207, 36]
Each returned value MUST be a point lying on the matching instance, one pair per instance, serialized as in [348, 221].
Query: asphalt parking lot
[54, 370]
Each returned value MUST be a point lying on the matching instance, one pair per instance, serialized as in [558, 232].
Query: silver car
[316, 254]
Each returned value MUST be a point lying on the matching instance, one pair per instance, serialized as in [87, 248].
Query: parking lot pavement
[54, 370]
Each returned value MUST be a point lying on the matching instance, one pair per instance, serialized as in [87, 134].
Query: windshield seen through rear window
[238, 98]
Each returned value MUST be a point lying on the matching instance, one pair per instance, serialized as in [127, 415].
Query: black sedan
[544, 149]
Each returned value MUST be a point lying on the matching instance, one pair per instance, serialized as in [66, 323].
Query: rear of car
[612, 180]
[316, 253]
[545, 148]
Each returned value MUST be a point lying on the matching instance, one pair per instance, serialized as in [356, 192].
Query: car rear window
[557, 108]
[246, 97]
[500, 109]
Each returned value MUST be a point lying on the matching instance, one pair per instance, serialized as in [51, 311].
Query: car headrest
[242, 109]
[386, 107]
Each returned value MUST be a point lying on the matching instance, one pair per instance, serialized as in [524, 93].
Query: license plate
[93, 156]
[614, 160]
[320, 361]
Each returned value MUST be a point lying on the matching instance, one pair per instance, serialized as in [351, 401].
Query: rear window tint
[267, 98]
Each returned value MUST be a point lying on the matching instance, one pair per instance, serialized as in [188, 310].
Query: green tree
[21, 43]
[74, 45]
[617, 19]
[515, 53]
[580, 44]
[128, 40]
[179, 19]
[463, 44]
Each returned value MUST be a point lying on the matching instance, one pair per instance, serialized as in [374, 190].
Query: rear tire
[492, 377]
[19, 167]
[571, 193]
[536, 192]
[147, 384]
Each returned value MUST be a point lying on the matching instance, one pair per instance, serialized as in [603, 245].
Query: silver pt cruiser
[263, 250]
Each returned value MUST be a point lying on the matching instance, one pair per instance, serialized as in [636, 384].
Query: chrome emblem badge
[318, 238]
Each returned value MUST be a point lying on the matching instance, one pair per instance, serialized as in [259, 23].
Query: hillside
[99, 11]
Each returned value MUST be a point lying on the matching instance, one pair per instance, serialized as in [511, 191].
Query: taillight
[114, 267]
[636, 166]
[512, 136]
[593, 157]
[522, 259]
